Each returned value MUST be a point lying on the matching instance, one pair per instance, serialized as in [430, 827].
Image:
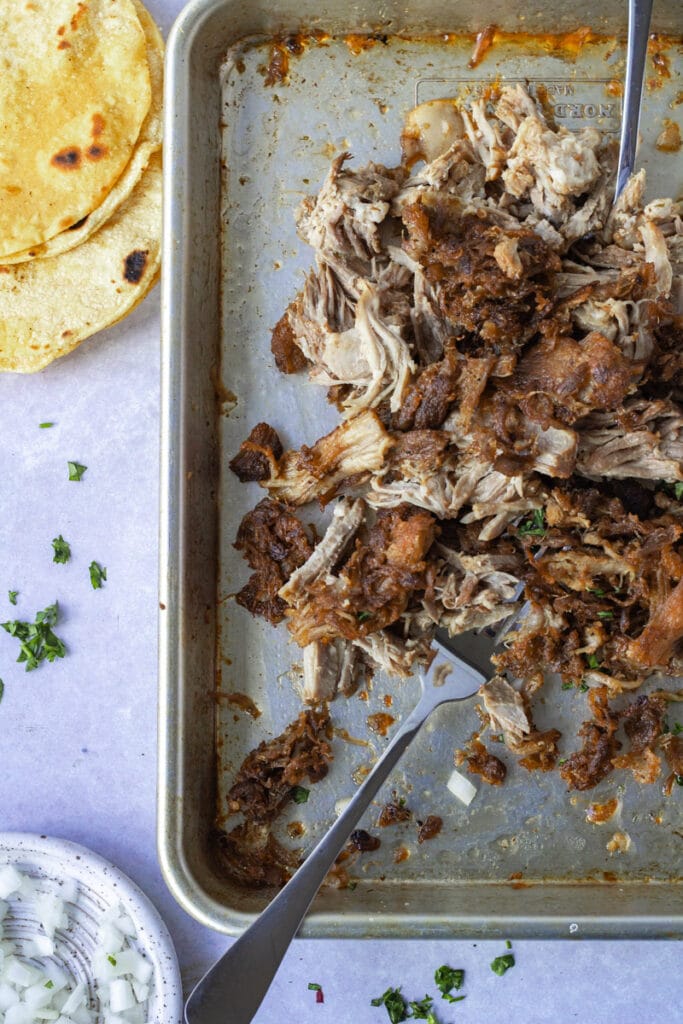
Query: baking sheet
[277, 145]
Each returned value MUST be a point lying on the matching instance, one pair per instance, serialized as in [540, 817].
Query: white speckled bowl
[100, 885]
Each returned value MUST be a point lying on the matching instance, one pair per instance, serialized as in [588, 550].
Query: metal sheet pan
[239, 156]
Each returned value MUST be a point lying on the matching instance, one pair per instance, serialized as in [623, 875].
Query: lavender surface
[78, 737]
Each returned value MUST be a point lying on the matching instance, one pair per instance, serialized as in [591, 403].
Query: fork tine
[510, 623]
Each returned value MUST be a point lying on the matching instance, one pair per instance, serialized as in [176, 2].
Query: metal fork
[233, 989]
[639, 17]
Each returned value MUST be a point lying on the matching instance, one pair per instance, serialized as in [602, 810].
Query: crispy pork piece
[394, 655]
[330, 668]
[643, 720]
[457, 253]
[356, 447]
[274, 543]
[505, 709]
[553, 168]
[645, 442]
[426, 403]
[656, 644]
[283, 344]
[267, 776]
[472, 591]
[347, 518]
[481, 761]
[576, 377]
[258, 455]
[374, 585]
[345, 216]
[590, 765]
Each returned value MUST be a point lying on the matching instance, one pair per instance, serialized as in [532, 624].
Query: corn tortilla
[148, 142]
[48, 306]
[74, 93]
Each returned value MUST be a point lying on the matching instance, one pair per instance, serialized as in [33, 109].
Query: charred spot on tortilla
[97, 125]
[96, 152]
[134, 265]
[78, 224]
[63, 45]
[68, 159]
[82, 8]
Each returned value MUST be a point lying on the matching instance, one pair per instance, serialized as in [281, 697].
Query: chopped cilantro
[112, 960]
[501, 964]
[44, 426]
[678, 491]
[584, 687]
[563, 760]
[508, 944]
[313, 986]
[12, 595]
[76, 471]
[567, 686]
[448, 978]
[62, 550]
[422, 1010]
[395, 1004]
[593, 661]
[605, 615]
[535, 526]
[49, 984]
[597, 591]
[97, 574]
[2, 689]
[352, 886]
[300, 795]
[364, 616]
[37, 640]
[677, 729]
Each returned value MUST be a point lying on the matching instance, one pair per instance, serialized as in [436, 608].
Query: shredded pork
[504, 349]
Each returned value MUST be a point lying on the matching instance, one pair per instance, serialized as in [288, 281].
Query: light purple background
[78, 738]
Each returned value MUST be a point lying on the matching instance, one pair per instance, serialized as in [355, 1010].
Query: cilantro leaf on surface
[62, 550]
[395, 1005]
[449, 978]
[98, 574]
[37, 640]
[76, 470]
[501, 964]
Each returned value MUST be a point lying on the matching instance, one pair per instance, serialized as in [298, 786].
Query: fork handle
[639, 16]
[234, 988]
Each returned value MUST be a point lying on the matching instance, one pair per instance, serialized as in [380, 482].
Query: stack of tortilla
[80, 171]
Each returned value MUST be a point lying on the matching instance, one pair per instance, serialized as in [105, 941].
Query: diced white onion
[76, 999]
[141, 991]
[8, 996]
[18, 973]
[42, 990]
[121, 995]
[20, 1013]
[461, 787]
[10, 881]
[41, 945]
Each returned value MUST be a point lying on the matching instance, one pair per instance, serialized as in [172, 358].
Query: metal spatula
[232, 991]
